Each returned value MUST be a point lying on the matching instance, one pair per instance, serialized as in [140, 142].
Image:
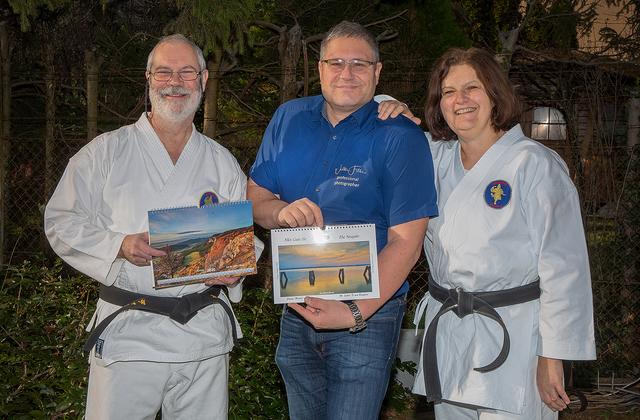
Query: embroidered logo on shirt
[99, 347]
[208, 198]
[355, 169]
[349, 176]
[497, 194]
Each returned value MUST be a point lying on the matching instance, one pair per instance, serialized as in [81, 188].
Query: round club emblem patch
[497, 194]
[208, 199]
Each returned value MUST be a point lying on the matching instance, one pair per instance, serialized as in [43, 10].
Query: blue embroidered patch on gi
[99, 347]
[497, 194]
[208, 199]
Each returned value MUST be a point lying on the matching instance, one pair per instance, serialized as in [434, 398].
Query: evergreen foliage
[42, 317]
[27, 10]
[216, 25]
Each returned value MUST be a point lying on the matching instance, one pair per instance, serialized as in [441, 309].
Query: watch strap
[361, 324]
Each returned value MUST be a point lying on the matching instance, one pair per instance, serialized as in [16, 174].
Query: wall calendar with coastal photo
[338, 262]
[202, 242]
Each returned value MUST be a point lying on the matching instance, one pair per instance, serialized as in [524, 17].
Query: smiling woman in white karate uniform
[509, 223]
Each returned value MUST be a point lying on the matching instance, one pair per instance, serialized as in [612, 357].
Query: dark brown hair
[506, 106]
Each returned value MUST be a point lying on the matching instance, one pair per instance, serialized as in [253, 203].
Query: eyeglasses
[184, 75]
[357, 66]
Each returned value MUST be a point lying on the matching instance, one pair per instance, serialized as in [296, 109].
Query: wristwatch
[361, 324]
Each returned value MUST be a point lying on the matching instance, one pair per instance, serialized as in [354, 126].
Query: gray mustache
[174, 90]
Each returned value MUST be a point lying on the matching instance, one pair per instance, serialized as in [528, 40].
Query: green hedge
[42, 319]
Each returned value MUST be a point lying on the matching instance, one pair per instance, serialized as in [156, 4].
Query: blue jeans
[331, 375]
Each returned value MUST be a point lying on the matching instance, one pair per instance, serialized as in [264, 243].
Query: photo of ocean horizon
[325, 280]
[316, 269]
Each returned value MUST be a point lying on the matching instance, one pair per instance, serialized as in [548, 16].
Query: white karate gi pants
[534, 408]
[138, 390]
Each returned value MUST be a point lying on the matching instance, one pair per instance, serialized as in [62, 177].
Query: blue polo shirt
[363, 170]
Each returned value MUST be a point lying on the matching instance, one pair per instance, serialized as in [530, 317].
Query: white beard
[174, 112]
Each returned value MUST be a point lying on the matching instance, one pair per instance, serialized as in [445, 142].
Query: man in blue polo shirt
[328, 160]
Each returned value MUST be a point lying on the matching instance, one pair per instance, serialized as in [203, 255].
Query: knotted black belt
[180, 309]
[464, 303]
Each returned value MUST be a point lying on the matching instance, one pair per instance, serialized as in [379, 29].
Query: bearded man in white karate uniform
[96, 221]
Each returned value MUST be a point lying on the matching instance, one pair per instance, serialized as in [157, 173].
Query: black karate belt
[180, 309]
[464, 303]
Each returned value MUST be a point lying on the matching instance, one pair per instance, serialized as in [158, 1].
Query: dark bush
[42, 317]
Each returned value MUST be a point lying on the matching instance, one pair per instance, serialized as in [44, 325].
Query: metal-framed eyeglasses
[357, 65]
[184, 75]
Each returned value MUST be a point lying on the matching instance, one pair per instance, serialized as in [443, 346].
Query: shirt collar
[361, 116]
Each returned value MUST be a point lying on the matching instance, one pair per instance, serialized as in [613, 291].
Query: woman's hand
[392, 109]
[550, 378]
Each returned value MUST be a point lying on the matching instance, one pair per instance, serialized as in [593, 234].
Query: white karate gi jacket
[104, 194]
[538, 233]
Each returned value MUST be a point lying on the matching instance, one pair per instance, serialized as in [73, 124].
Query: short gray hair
[178, 38]
[346, 29]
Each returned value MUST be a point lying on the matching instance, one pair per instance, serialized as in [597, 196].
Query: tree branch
[269, 25]
[387, 19]
[387, 35]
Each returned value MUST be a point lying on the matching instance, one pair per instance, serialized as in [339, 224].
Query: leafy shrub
[42, 317]
[256, 390]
